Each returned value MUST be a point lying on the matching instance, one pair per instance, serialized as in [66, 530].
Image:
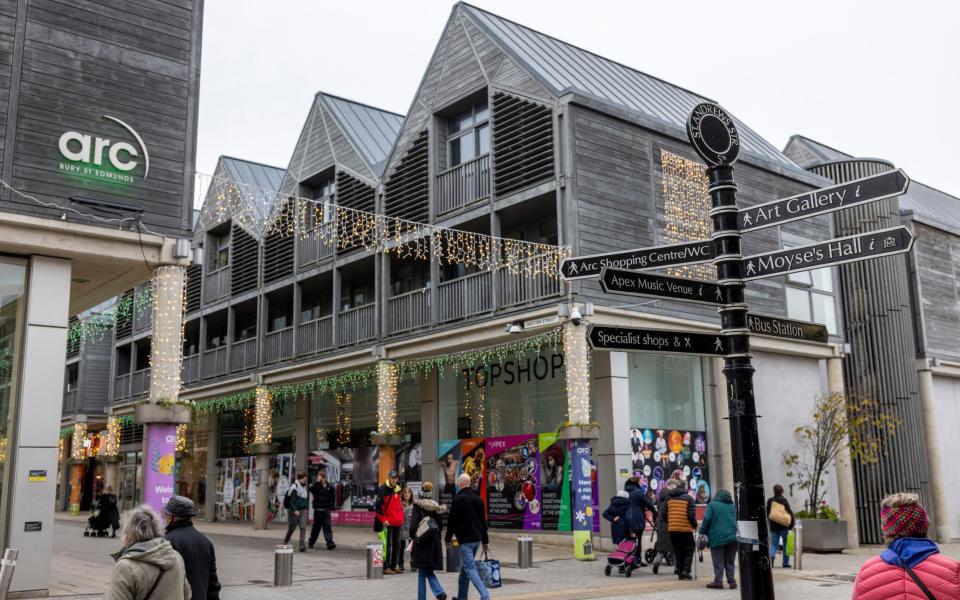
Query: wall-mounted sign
[786, 328]
[635, 339]
[636, 283]
[36, 475]
[33, 526]
[654, 257]
[115, 154]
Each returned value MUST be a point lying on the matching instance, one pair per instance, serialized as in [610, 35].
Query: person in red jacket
[390, 514]
[911, 568]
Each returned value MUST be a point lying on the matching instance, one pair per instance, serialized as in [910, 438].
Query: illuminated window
[686, 209]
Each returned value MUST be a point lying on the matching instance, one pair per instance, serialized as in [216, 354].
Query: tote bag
[779, 514]
[489, 570]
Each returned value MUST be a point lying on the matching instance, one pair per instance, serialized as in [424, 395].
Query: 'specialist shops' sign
[116, 154]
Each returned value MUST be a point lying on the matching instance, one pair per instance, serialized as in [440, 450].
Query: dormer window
[323, 194]
[468, 134]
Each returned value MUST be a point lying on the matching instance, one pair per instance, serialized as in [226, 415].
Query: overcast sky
[878, 79]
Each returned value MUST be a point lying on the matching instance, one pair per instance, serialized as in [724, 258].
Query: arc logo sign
[105, 158]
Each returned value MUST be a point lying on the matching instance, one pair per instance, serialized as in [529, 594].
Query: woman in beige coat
[148, 568]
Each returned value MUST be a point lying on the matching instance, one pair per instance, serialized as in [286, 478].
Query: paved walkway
[81, 569]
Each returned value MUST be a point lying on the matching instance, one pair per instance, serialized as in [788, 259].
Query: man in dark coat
[324, 501]
[468, 522]
[195, 548]
[637, 515]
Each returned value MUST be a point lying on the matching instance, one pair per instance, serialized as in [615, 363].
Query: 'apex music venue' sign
[97, 157]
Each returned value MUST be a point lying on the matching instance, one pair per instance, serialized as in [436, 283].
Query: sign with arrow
[654, 257]
[635, 339]
[823, 201]
[875, 244]
[779, 327]
[638, 283]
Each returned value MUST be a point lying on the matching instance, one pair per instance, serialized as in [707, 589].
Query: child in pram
[105, 515]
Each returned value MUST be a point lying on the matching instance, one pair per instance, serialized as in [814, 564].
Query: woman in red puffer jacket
[911, 562]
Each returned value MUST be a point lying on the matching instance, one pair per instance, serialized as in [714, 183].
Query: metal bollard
[524, 552]
[798, 547]
[283, 565]
[6, 570]
[375, 561]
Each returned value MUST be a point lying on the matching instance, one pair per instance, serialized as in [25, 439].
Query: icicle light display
[686, 209]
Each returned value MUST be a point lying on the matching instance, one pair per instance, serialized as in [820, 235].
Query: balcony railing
[520, 288]
[315, 336]
[310, 249]
[190, 369]
[243, 355]
[141, 382]
[463, 184]
[217, 285]
[214, 363]
[278, 345]
[408, 311]
[465, 296]
[356, 325]
[121, 387]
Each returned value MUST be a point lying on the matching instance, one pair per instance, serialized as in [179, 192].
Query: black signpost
[654, 257]
[636, 339]
[873, 244]
[637, 283]
[779, 327]
[825, 200]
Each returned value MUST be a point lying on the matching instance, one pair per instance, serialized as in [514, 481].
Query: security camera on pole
[714, 136]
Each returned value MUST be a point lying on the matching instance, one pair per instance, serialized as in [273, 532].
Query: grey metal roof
[254, 177]
[562, 67]
[932, 207]
[373, 131]
[251, 188]
[810, 153]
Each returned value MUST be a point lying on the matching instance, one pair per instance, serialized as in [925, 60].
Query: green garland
[66, 432]
[237, 401]
[94, 327]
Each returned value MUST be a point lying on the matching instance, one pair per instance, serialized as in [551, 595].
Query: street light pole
[714, 136]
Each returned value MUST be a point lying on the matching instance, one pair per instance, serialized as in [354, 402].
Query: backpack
[287, 503]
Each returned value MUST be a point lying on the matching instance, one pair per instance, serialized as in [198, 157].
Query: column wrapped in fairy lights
[263, 417]
[77, 451]
[112, 443]
[386, 397]
[181, 443]
[166, 341]
[576, 359]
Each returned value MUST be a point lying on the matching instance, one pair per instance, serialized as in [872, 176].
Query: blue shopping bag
[489, 570]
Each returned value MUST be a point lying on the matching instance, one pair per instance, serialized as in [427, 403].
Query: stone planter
[578, 432]
[823, 535]
[386, 439]
[155, 413]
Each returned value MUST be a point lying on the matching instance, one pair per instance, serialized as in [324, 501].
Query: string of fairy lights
[342, 228]
[92, 328]
[577, 367]
[686, 208]
[166, 338]
[386, 397]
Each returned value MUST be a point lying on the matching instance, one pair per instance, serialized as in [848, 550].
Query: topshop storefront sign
[113, 159]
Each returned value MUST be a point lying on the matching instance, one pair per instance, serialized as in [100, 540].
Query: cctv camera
[515, 327]
[575, 315]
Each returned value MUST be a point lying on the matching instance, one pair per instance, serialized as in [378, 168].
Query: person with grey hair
[147, 568]
[468, 522]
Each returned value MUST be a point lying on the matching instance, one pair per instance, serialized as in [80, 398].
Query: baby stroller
[624, 558]
[104, 516]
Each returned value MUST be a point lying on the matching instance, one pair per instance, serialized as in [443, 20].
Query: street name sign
[779, 327]
[823, 201]
[638, 283]
[874, 244]
[653, 257]
[634, 339]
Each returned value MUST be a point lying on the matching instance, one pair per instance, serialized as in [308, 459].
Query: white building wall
[946, 396]
[786, 389]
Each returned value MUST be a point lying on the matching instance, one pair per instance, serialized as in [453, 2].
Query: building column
[430, 428]
[941, 508]
[846, 489]
[111, 458]
[722, 455]
[386, 436]
[301, 435]
[213, 435]
[613, 452]
[262, 448]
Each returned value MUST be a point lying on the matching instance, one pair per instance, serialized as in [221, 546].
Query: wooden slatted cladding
[353, 193]
[278, 251]
[522, 143]
[194, 284]
[243, 263]
[406, 194]
[124, 322]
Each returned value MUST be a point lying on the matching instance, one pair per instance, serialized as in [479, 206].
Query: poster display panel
[513, 482]
[660, 454]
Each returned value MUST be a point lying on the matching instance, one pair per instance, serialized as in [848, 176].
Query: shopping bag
[790, 543]
[382, 535]
[489, 570]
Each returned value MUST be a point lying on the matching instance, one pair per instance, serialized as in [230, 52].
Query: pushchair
[650, 554]
[624, 558]
[103, 517]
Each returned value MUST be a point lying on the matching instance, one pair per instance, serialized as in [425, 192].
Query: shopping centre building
[390, 297]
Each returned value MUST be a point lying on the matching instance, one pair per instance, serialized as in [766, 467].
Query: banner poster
[473, 463]
[408, 459]
[583, 507]
[513, 482]
[161, 456]
[554, 492]
[661, 454]
[449, 462]
[234, 482]
[281, 478]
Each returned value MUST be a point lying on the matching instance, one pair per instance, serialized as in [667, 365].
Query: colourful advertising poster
[449, 462]
[473, 463]
[513, 482]
[554, 491]
[161, 456]
[583, 506]
[662, 454]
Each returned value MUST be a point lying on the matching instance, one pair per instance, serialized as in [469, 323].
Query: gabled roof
[925, 204]
[371, 130]
[244, 191]
[562, 67]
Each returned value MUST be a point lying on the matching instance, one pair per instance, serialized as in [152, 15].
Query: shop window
[468, 135]
[666, 392]
[810, 294]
